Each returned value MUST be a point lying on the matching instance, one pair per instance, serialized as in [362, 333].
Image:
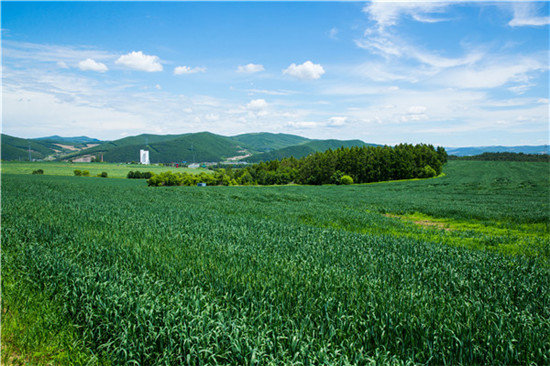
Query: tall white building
[144, 156]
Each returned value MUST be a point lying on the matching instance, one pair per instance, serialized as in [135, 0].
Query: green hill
[193, 147]
[15, 148]
[264, 141]
[304, 149]
[69, 140]
[190, 147]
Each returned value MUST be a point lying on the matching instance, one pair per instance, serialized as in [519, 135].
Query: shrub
[85, 173]
[139, 175]
[103, 175]
[77, 172]
[346, 180]
[38, 171]
[428, 172]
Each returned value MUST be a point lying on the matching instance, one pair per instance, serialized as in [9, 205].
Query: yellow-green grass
[113, 170]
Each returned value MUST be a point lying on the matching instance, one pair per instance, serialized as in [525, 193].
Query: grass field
[452, 270]
[67, 169]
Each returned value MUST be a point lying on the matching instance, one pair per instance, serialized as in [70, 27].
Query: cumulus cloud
[181, 70]
[306, 71]
[90, 65]
[256, 104]
[525, 14]
[257, 107]
[250, 68]
[140, 61]
[337, 121]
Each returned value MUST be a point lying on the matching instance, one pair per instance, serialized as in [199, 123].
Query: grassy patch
[35, 330]
[530, 239]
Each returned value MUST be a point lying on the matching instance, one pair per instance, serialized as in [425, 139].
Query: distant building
[144, 157]
[201, 184]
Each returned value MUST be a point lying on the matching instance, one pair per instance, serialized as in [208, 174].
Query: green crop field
[452, 270]
[66, 169]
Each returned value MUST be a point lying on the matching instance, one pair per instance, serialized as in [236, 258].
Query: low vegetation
[353, 274]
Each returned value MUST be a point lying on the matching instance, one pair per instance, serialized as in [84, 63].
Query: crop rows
[227, 275]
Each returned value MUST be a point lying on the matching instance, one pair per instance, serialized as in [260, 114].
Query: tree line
[504, 156]
[345, 165]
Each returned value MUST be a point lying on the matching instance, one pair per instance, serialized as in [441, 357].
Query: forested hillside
[304, 149]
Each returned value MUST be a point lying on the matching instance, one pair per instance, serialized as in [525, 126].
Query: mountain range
[197, 147]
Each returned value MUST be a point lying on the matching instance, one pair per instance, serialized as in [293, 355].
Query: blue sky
[445, 73]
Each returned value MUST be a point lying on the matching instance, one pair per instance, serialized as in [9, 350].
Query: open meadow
[450, 270]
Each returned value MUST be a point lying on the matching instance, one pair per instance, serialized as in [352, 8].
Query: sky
[445, 73]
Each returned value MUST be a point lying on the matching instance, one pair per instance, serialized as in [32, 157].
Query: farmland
[438, 271]
[66, 169]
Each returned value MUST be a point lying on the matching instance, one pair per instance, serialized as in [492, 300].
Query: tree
[346, 180]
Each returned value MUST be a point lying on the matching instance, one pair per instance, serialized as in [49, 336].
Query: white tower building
[144, 157]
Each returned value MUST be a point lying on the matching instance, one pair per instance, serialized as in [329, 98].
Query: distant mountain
[15, 148]
[304, 149]
[191, 147]
[199, 147]
[477, 150]
[206, 146]
[69, 140]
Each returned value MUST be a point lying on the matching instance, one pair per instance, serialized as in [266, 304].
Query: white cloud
[140, 61]
[302, 124]
[250, 68]
[333, 33]
[387, 14]
[337, 121]
[62, 55]
[494, 75]
[257, 104]
[525, 15]
[417, 109]
[181, 70]
[62, 65]
[91, 65]
[270, 92]
[257, 108]
[306, 71]
[388, 45]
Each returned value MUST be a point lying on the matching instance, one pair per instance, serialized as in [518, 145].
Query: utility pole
[30, 158]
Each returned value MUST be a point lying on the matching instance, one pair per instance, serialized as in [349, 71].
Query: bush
[346, 180]
[139, 175]
[77, 172]
[428, 172]
[38, 171]
[85, 173]
[103, 175]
